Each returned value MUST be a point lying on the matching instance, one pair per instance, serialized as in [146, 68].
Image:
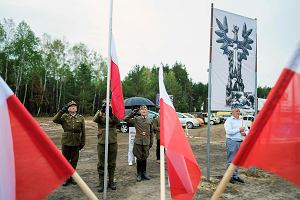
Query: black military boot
[144, 169]
[101, 183]
[111, 183]
[139, 170]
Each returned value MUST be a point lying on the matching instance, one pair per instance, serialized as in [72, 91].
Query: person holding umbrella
[143, 140]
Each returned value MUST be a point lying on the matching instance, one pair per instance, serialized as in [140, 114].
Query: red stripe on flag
[39, 165]
[183, 170]
[273, 143]
[172, 133]
[117, 100]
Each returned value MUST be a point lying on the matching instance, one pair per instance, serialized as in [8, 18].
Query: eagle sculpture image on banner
[236, 51]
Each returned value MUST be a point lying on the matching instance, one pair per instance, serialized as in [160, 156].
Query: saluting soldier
[143, 140]
[73, 137]
[156, 128]
[100, 119]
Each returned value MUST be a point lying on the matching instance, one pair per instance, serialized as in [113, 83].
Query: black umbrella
[138, 101]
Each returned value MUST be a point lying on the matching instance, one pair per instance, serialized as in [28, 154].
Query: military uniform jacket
[74, 129]
[144, 131]
[101, 121]
[156, 128]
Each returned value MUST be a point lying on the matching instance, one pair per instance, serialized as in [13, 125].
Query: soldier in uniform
[156, 128]
[73, 137]
[100, 119]
[143, 140]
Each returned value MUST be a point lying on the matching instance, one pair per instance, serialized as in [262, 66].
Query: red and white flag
[273, 143]
[183, 169]
[117, 99]
[31, 165]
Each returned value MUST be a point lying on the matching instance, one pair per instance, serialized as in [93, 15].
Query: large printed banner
[233, 61]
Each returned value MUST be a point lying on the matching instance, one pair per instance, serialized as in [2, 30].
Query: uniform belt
[142, 133]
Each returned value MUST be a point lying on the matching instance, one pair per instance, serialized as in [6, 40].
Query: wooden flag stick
[222, 185]
[86, 190]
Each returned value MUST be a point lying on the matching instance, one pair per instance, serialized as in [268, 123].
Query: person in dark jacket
[100, 119]
[73, 137]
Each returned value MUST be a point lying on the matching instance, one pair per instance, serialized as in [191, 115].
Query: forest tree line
[45, 73]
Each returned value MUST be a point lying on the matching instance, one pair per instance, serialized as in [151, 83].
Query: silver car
[187, 121]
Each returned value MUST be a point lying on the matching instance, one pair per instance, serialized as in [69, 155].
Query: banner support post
[209, 99]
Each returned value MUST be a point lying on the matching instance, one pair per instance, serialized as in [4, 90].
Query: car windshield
[180, 115]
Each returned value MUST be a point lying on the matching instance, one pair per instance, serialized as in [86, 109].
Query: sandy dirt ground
[261, 186]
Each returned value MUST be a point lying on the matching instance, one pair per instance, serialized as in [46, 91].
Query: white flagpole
[107, 100]
[162, 173]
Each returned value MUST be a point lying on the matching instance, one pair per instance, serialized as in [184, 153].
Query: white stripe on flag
[162, 89]
[7, 164]
[113, 51]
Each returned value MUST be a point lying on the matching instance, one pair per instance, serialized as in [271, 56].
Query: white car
[187, 121]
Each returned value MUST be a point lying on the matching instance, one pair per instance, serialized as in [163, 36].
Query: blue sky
[149, 32]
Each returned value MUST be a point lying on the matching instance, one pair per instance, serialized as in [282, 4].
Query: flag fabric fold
[117, 99]
[31, 165]
[183, 170]
[273, 143]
